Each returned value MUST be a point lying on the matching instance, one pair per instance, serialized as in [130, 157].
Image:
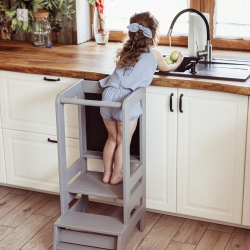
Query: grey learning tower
[77, 229]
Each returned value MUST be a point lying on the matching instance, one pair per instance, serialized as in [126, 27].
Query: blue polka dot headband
[134, 27]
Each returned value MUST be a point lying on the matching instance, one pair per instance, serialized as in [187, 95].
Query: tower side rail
[128, 103]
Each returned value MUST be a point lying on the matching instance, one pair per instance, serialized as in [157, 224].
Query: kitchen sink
[218, 68]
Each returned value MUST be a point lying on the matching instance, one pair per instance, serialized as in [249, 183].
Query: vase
[101, 35]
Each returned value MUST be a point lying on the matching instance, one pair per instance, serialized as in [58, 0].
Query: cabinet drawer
[28, 103]
[32, 162]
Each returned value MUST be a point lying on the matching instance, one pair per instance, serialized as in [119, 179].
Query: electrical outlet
[22, 14]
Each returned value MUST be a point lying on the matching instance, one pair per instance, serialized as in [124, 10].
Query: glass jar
[41, 29]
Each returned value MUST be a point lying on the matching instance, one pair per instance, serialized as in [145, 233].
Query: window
[234, 22]
[118, 13]
[229, 20]
[229, 23]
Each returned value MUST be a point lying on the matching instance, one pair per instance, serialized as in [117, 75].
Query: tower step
[94, 223]
[88, 239]
[99, 155]
[90, 183]
[66, 246]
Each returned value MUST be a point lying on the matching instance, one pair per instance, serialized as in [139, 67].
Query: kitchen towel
[197, 33]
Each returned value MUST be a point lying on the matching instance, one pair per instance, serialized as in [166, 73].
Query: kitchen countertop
[94, 62]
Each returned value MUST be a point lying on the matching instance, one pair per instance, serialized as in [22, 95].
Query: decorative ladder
[77, 229]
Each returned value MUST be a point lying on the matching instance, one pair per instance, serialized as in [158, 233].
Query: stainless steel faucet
[207, 53]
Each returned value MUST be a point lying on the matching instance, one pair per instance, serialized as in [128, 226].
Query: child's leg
[117, 176]
[109, 149]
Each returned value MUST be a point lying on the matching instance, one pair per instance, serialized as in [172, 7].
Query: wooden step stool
[77, 229]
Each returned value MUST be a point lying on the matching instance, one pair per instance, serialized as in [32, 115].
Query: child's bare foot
[106, 177]
[116, 178]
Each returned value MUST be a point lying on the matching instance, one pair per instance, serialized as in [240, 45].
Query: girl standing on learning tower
[135, 66]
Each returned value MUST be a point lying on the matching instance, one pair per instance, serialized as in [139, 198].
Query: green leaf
[14, 21]
[60, 3]
[91, 1]
[14, 24]
[38, 1]
[30, 28]
[20, 30]
[30, 12]
[25, 25]
[39, 6]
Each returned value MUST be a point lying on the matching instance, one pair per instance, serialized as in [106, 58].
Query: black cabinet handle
[180, 103]
[50, 79]
[171, 103]
[52, 140]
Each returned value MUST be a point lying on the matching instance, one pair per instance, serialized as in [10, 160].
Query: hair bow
[133, 27]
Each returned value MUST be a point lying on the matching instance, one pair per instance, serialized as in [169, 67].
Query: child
[135, 66]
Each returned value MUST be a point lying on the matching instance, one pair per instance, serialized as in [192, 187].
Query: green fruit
[174, 55]
[168, 60]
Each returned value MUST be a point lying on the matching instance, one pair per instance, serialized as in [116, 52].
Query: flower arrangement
[100, 32]
[100, 10]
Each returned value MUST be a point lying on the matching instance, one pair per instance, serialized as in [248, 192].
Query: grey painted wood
[91, 222]
[91, 183]
[74, 227]
[66, 246]
[98, 155]
[91, 103]
[88, 239]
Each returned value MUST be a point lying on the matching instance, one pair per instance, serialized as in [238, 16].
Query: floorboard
[27, 223]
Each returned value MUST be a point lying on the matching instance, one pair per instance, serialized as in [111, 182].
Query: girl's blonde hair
[136, 43]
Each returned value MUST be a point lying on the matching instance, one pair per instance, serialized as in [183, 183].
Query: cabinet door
[2, 163]
[246, 203]
[161, 135]
[1, 82]
[211, 153]
[28, 103]
[32, 161]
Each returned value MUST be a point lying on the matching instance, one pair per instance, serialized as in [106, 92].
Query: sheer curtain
[118, 13]
[232, 19]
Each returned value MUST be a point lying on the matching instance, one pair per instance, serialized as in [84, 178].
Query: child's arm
[163, 66]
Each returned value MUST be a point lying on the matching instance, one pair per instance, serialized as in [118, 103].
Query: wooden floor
[27, 218]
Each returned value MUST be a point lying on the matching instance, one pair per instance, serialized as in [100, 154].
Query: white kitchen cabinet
[211, 154]
[161, 133]
[195, 158]
[246, 203]
[28, 103]
[1, 81]
[2, 162]
[32, 161]
[28, 119]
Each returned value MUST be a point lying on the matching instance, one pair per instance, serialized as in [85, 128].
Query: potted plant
[57, 10]
[23, 26]
[4, 21]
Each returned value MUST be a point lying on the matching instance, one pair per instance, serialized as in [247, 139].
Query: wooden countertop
[94, 62]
